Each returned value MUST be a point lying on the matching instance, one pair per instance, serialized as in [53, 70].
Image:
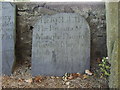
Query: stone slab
[113, 42]
[60, 44]
[7, 37]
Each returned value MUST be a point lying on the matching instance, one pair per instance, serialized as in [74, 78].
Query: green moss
[113, 42]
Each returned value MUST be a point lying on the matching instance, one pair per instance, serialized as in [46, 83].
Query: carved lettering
[58, 40]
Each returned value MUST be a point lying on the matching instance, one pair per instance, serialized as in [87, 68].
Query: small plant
[104, 67]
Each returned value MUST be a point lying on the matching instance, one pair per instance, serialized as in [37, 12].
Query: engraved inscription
[59, 42]
[7, 36]
[7, 26]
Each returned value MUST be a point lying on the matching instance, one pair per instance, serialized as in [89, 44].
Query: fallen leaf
[57, 77]
[29, 80]
[75, 75]
[78, 74]
[99, 60]
[67, 83]
[38, 79]
[64, 78]
[66, 75]
[85, 76]
[20, 80]
[88, 72]
[52, 77]
[70, 77]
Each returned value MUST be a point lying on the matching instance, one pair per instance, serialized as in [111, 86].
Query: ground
[21, 78]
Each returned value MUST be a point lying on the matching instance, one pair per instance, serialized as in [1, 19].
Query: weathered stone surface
[28, 13]
[113, 42]
[61, 43]
[7, 38]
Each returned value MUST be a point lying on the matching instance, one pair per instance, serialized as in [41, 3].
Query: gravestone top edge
[48, 16]
[12, 4]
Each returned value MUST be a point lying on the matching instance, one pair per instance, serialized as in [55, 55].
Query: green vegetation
[104, 68]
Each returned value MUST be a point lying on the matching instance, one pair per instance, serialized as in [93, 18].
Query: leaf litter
[23, 79]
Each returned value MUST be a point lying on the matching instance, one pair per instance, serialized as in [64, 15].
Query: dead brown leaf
[85, 76]
[74, 75]
[20, 79]
[99, 60]
[38, 79]
[70, 77]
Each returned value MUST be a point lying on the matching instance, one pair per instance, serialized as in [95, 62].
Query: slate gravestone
[7, 36]
[60, 44]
